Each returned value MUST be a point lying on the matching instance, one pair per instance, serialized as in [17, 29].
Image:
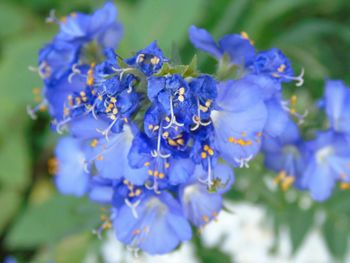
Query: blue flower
[149, 60]
[72, 177]
[79, 28]
[337, 105]
[238, 47]
[239, 120]
[200, 203]
[285, 155]
[156, 224]
[328, 163]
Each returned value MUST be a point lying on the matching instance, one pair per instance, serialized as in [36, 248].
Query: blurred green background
[38, 225]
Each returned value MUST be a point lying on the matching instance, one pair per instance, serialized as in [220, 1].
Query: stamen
[133, 206]
[197, 119]
[208, 180]
[172, 117]
[298, 79]
[244, 162]
[52, 17]
[32, 111]
[106, 131]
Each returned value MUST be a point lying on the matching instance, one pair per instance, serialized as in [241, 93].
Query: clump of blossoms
[158, 142]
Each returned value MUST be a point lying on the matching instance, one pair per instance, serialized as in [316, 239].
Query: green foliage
[48, 222]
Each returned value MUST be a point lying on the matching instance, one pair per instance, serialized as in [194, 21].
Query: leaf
[16, 80]
[9, 203]
[13, 18]
[299, 223]
[50, 221]
[336, 233]
[14, 159]
[162, 20]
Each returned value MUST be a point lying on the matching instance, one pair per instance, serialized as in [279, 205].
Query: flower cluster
[157, 142]
[315, 165]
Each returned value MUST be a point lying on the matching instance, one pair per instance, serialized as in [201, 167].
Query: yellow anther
[137, 192]
[136, 232]
[94, 143]
[150, 126]
[244, 134]
[82, 93]
[99, 97]
[167, 119]
[231, 139]
[103, 218]
[180, 141]
[155, 60]
[113, 117]
[156, 173]
[181, 98]
[165, 135]
[344, 186]
[156, 128]
[206, 147]
[140, 58]
[107, 225]
[281, 68]
[167, 165]
[202, 108]
[147, 164]
[205, 219]
[172, 142]
[287, 182]
[245, 36]
[100, 157]
[77, 100]
[125, 181]
[281, 176]
[150, 172]
[208, 103]
[161, 175]
[113, 100]
[52, 166]
[36, 91]
[204, 155]
[63, 19]
[182, 91]
[115, 111]
[259, 134]
[211, 152]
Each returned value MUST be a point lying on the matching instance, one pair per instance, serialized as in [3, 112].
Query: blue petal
[238, 134]
[238, 95]
[337, 102]
[200, 206]
[240, 50]
[71, 178]
[319, 180]
[202, 40]
[180, 171]
[277, 118]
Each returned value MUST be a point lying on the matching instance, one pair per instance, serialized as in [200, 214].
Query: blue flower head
[149, 60]
[79, 28]
[328, 163]
[156, 225]
[238, 47]
[337, 105]
[286, 155]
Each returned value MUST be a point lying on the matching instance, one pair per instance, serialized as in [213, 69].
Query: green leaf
[299, 223]
[9, 203]
[50, 221]
[14, 159]
[162, 20]
[13, 18]
[16, 80]
[336, 234]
